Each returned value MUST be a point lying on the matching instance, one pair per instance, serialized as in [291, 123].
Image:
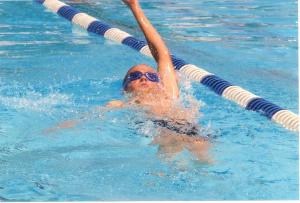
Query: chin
[143, 90]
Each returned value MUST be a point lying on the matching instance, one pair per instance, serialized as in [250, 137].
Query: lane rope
[242, 97]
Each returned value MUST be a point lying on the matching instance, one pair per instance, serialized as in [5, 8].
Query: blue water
[51, 71]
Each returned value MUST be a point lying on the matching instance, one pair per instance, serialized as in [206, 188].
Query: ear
[128, 88]
[160, 80]
[159, 75]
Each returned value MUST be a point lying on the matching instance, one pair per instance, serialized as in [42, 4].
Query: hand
[131, 2]
[115, 104]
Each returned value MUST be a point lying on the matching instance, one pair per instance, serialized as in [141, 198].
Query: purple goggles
[153, 77]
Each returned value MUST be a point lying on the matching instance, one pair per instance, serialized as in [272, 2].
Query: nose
[143, 78]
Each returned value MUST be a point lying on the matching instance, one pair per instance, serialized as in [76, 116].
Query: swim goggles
[153, 77]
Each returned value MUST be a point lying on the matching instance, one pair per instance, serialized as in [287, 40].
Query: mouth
[144, 86]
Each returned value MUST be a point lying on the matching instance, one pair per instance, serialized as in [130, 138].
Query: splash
[187, 97]
[35, 101]
[185, 110]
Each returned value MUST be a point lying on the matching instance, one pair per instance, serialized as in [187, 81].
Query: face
[142, 85]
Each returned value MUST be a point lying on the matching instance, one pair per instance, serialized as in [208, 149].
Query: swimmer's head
[141, 79]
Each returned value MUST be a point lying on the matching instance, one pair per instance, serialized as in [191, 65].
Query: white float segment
[83, 19]
[287, 123]
[290, 127]
[146, 51]
[193, 72]
[116, 34]
[239, 95]
[295, 125]
[287, 119]
[53, 5]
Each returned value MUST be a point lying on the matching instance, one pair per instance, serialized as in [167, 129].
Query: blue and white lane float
[231, 92]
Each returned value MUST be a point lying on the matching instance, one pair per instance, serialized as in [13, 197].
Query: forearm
[62, 125]
[157, 46]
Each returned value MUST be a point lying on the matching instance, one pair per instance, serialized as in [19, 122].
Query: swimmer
[157, 93]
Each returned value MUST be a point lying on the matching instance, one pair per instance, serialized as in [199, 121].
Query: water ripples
[13, 43]
[228, 21]
[35, 101]
[110, 153]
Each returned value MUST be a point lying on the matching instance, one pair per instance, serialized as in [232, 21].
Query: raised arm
[158, 49]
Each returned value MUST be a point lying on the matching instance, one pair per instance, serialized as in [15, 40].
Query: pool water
[52, 71]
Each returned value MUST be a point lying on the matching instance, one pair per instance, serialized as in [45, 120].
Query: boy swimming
[157, 93]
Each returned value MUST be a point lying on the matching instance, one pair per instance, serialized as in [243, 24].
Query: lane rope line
[242, 97]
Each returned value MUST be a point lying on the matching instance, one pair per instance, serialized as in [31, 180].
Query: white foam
[192, 25]
[13, 43]
[4, 26]
[35, 101]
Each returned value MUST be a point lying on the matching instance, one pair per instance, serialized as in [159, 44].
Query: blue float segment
[67, 12]
[134, 43]
[217, 84]
[40, 1]
[98, 27]
[178, 63]
[263, 106]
